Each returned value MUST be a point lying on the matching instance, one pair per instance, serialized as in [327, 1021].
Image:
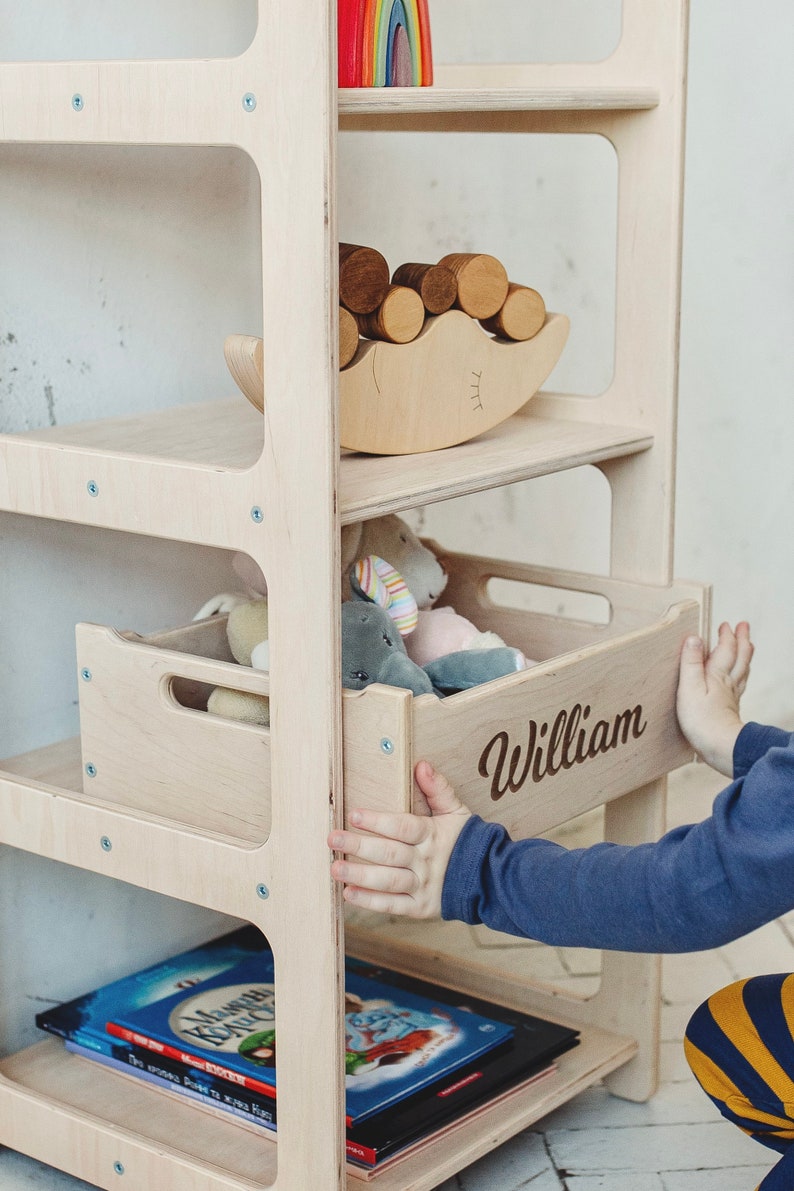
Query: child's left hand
[405, 856]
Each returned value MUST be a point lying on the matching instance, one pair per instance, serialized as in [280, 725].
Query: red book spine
[190, 1060]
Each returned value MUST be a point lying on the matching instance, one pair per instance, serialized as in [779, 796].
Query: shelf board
[521, 448]
[57, 770]
[46, 1081]
[416, 101]
[227, 436]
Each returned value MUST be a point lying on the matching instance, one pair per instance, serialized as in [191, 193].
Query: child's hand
[406, 855]
[709, 690]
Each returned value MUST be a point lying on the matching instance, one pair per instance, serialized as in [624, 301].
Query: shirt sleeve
[753, 742]
[697, 887]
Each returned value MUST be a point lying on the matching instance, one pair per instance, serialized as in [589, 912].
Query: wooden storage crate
[592, 720]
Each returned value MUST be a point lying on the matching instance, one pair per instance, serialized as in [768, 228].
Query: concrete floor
[675, 1142]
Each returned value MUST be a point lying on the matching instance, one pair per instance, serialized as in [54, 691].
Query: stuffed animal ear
[351, 540]
[374, 579]
[251, 573]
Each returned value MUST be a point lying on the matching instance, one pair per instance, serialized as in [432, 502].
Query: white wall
[123, 270]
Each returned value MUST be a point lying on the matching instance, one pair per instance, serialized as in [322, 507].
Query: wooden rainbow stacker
[384, 43]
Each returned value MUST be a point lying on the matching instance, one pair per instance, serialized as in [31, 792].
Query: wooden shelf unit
[220, 475]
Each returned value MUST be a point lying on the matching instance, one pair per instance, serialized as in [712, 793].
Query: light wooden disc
[482, 282]
[399, 318]
[521, 316]
[348, 337]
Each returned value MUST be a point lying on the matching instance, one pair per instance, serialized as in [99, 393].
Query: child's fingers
[375, 877]
[438, 791]
[691, 675]
[409, 829]
[722, 658]
[375, 849]
[744, 654]
[384, 903]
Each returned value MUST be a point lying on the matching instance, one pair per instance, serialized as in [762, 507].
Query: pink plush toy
[440, 631]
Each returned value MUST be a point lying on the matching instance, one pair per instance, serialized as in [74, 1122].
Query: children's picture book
[397, 1040]
[522, 1060]
[528, 1054]
[170, 1076]
[398, 1026]
[83, 1019]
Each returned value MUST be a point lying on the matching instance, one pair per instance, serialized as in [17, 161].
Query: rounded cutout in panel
[525, 30]
[560, 520]
[124, 269]
[560, 602]
[82, 30]
[545, 205]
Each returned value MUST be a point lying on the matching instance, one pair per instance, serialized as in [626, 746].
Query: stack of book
[419, 1057]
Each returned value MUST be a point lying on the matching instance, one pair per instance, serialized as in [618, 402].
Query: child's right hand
[709, 690]
[404, 856]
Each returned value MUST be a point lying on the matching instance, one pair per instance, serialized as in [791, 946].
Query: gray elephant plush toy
[373, 651]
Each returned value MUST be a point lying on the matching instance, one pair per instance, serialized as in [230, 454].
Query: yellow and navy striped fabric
[740, 1046]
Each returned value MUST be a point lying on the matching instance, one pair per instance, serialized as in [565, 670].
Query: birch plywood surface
[567, 735]
[226, 433]
[150, 753]
[450, 384]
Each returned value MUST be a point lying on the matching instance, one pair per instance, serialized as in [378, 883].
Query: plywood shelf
[114, 1118]
[412, 101]
[43, 810]
[220, 442]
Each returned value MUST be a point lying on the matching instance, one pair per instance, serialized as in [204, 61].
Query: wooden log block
[521, 317]
[399, 318]
[348, 337]
[435, 284]
[482, 282]
[363, 278]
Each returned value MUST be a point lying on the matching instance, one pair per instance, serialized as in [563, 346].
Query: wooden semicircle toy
[384, 43]
[450, 384]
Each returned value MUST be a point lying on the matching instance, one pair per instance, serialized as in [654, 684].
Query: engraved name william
[569, 741]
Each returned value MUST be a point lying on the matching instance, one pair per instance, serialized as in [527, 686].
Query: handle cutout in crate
[564, 603]
[225, 702]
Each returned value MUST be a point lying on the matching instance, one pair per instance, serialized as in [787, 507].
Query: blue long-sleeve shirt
[697, 887]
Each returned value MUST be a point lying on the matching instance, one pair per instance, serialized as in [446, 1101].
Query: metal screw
[92, 488]
[118, 1167]
[91, 769]
[106, 843]
[78, 103]
[257, 514]
[262, 891]
[85, 674]
[387, 746]
[249, 101]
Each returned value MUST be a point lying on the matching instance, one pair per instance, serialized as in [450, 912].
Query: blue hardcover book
[398, 1041]
[83, 1019]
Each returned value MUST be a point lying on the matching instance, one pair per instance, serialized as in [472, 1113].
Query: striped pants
[740, 1046]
